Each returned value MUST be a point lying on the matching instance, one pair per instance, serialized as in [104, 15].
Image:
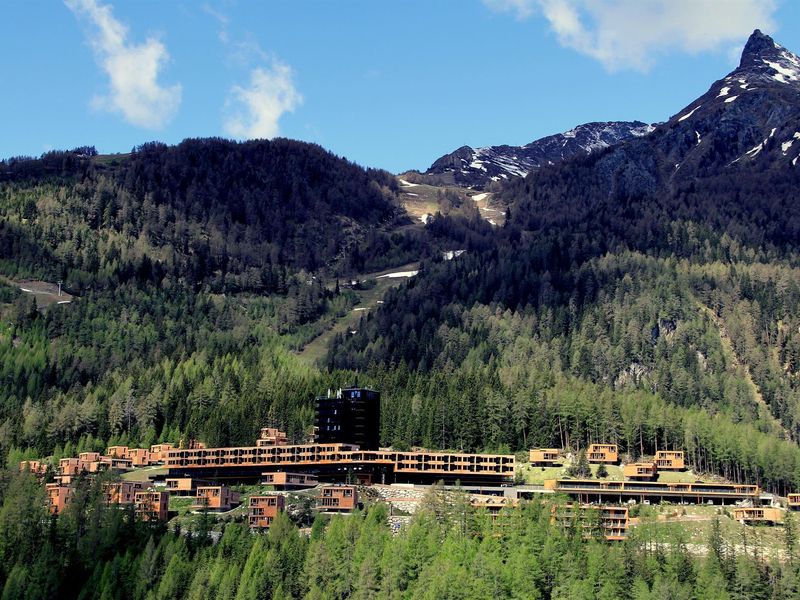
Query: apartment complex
[545, 457]
[608, 522]
[351, 416]
[340, 462]
[262, 510]
[643, 471]
[338, 498]
[670, 460]
[216, 497]
[603, 453]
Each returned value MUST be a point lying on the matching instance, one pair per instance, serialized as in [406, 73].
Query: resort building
[603, 453]
[608, 522]
[670, 460]
[338, 498]
[545, 457]
[644, 471]
[151, 506]
[122, 492]
[592, 490]
[340, 462]
[262, 510]
[758, 515]
[289, 481]
[216, 497]
[58, 496]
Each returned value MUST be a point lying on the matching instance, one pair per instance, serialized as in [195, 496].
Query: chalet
[37, 467]
[139, 457]
[117, 451]
[158, 452]
[184, 486]
[271, 436]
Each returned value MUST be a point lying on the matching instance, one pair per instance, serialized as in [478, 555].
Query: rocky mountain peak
[758, 48]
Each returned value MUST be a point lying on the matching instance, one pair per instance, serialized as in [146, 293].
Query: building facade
[351, 416]
[545, 457]
[338, 498]
[151, 506]
[603, 453]
[642, 471]
[216, 497]
[262, 510]
[670, 460]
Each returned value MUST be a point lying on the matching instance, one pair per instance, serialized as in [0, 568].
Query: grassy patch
[144, 474]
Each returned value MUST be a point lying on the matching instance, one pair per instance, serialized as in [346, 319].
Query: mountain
[477, 167]
[749, 115]
[726, 162]
[209, 211]
[666, 264]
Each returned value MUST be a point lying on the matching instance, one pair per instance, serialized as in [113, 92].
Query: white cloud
[133, 69]
[631, 34]
[223, 21]
[254, 111]
[522, 9]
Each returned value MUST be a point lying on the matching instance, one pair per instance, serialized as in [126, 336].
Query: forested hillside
[446, 552]
[233, 216]
[646, 295]
[626, 283]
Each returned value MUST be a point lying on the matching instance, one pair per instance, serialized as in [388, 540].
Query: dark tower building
[351, 416]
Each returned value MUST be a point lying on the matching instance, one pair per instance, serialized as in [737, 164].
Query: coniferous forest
[197, 273]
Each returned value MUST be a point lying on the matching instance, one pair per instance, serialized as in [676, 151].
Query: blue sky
[386, 84]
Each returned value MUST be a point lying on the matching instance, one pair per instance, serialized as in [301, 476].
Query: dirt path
[370, 299]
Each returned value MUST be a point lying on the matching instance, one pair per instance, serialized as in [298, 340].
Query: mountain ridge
[478, 167]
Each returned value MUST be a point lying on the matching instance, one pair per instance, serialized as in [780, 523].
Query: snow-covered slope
[476, 167]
